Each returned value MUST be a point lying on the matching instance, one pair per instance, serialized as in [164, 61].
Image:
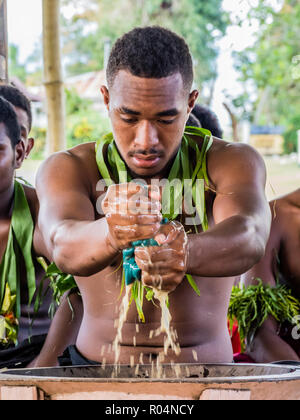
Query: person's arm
[241, 214]
[77, 243]
[267, 345]
[63, 331]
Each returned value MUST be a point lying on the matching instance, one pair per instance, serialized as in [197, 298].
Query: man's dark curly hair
[17, 99]
[207, 119]
[9, 118]
[151, 52]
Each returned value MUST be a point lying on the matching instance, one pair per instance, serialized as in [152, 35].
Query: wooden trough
[194, 382]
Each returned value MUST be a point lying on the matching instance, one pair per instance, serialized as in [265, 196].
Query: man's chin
[147, 171]
[144, 173]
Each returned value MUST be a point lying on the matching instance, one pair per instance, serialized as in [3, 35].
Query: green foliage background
[273, 65]
[269, 70]
[200, 22]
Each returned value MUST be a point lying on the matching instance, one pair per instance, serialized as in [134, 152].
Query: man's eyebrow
[169, 113]
[124, 110]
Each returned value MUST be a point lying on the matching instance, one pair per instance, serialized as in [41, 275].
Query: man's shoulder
[234, 159]
[221, 148]
[285, 211]
[78, 153]
[80, 157]
[83, 150]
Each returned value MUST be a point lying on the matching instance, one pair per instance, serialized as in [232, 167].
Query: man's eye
[167, 122]
[129, 120]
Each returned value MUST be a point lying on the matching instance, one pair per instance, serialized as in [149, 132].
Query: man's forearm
[269, 347]
[81, 248]
[63, 331]
[228, 249]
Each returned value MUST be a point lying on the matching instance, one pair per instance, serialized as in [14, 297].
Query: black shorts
[72, 357]
[20, 356]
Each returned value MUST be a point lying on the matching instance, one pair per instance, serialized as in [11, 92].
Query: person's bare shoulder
[78, 163]
[286, 214]
[236, 161]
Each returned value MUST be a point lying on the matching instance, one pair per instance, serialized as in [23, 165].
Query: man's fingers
[133, 205]
[166, 282]
[132, 220]
[157, 253]
[135, 232]
[160, 267]
[154, 193]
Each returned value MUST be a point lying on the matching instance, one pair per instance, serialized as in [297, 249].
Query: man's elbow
[64, 254]
[255, 242]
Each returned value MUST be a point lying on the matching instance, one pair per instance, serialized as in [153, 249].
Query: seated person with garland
[267, 305]
[24, 320]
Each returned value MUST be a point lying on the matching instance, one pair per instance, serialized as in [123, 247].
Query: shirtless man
[15, 126]
[281, 261]
[22, 108]
[149, 100]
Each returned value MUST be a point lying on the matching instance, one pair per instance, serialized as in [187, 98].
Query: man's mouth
[145, 161]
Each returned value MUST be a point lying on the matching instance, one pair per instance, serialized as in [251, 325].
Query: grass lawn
[283, 175]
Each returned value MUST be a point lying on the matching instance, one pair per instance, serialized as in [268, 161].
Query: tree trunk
[53, 79]
[3, 42]
[234, 123]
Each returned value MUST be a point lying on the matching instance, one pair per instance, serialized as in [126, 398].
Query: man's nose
[146, 136]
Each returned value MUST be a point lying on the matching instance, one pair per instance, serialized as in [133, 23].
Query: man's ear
[19, 154]
[28, 148]
[192, 100]
[105, 94]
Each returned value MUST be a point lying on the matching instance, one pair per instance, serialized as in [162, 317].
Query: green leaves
[251, 306]
[269, 67]
[199, 22]
[193, 284]
[18, 248]
[184, 168]
[60, 283]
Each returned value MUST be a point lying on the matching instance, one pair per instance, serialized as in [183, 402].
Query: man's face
[10, 159]
[24, 126]
[148, 119]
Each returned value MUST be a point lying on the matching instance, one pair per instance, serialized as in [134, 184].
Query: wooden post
[3, 42]
[53, 79]
[298, 146]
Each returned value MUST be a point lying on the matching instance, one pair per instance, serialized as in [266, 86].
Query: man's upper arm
[62, 193]
[239, 175]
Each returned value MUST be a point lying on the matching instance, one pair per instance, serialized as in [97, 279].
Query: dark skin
[10, 160]
[284, 242]
[148, 118]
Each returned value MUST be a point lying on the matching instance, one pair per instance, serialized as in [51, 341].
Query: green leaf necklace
[189, 164]
[19, 246]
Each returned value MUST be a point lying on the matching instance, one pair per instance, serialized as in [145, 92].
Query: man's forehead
[165, 93]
